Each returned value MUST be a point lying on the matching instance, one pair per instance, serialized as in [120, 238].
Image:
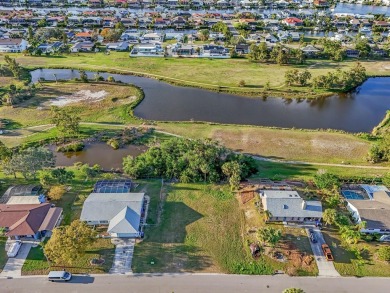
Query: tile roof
[23, 219]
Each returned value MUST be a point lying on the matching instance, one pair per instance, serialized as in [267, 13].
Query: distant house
[215, 51]
[119, 46]
[321, 3]
[12, 45]
[375, 212]
[147, 50]
[82, 47]
[293, 21]
[121, 212]
[310, 50]
[29, 220]
[352, 53]
[242, 48]
[288, 206]
[152, 38]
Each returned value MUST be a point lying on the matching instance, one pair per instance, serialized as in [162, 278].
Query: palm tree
[329, 216]
[267, 215]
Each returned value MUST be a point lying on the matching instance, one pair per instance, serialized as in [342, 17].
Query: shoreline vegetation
[311, 145]
[260, 79]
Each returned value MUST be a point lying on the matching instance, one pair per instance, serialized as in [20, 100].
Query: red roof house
[29, 220]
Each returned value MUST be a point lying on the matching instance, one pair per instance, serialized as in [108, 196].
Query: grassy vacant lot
[113, 108]
[36, 263]
[280, 171]
[288, 144]
[201, 229]
[3, 253]
[202, 71]
[346, 262]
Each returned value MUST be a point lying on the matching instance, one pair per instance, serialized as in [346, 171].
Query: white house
[147, 50]
[288, 206]
[121, 212]
[375, 212]
[12, 45]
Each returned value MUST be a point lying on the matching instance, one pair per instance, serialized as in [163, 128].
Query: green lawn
[346, 262]
[202, 229]
[115, 107]
[197, 72]
[36, 263]
[280, 171]
[3, 253]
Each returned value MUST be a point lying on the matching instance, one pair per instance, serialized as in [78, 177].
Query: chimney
[304, 205]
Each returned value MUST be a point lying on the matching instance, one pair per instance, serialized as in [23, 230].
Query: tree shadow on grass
[340, 253]
[164, 248]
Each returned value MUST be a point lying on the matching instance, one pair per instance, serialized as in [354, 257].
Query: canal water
[358, 111]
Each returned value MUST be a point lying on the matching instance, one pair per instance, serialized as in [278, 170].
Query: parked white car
[14, 248]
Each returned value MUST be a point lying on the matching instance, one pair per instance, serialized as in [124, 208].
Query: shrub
[241, 83]
[72, 147]
[110, 79]
[56, 192]
[114, 143]
[383, 253]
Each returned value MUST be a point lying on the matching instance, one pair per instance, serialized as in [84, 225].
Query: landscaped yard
[348, 264]
[202, 229]
[3, 253]
[36, 263]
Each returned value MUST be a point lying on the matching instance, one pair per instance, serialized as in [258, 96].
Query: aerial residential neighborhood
[194, 146]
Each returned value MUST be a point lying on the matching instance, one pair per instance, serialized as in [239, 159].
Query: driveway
[124, 249]
[13, 267]
[325, 268]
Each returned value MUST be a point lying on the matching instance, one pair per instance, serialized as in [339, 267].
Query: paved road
[196, 284]
[13, 267]
[325, 268]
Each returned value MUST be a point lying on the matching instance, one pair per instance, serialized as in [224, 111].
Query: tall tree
[67, 124]
[329, 216]
[69, 243]
[29, 161]
[233, 171]
[13, 66]
[62, 175]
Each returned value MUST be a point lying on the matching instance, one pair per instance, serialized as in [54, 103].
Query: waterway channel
[358, 111]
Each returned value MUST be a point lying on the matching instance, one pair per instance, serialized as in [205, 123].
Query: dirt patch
[80, 96]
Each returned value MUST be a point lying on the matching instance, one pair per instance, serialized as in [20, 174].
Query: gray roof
[375, 213]
[126, 221]
[105, 206]
[287, 203]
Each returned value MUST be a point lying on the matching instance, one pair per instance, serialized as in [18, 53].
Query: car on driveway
[14, 248]
[327, 252]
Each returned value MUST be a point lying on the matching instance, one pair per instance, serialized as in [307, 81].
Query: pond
[98, 153]
[358, 111]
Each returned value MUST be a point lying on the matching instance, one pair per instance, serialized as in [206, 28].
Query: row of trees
[278, 54]
[341, 79]
[191, 161]
[344, 80]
